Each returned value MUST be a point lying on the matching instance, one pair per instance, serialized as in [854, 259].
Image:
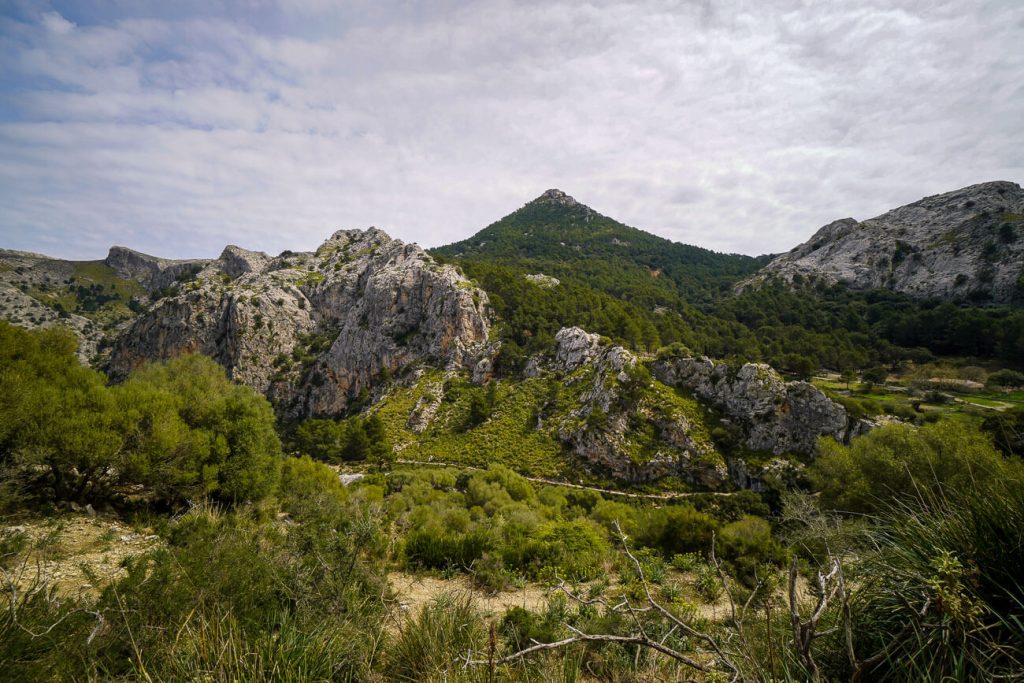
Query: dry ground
[76, 552]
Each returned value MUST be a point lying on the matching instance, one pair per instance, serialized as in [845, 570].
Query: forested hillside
[648, 292]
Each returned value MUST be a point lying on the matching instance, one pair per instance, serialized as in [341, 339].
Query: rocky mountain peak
[555, 196]
[316, 331]
[964, 245]
[370, 237]
[237, 261]
[152, 272]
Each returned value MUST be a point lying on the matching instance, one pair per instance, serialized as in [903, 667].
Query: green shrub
[686, 562]
[228, 598]
[1006, 378]
[896, 461]
[747, 544]
[573, 549]
[489, 573]
[433, 549]
[221, 439]
[708, 583]
[676, 529]
[521, 628]
[310, 488]
[940, 591]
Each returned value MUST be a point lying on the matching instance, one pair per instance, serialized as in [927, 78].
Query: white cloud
[55, 23]
[740, 127]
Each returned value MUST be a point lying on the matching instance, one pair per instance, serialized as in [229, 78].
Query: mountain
[560, 237]
[963, 246]
[89, 297]
[557, 263]
[314, 331]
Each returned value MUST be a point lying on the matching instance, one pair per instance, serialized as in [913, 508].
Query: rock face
[32, 289]
[773, 415]
[151, 272]
[623, 424]
[315, 331]
[25, 311]
[966, 245]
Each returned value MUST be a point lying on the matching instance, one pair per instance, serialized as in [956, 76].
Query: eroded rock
[774, 415]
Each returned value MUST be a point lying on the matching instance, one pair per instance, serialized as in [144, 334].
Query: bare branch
[639, 638]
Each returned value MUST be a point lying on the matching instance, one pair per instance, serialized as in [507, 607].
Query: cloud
[175, 128]
[55, 23]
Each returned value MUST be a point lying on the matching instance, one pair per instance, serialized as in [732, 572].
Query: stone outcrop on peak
[966, 245]
[555, 196]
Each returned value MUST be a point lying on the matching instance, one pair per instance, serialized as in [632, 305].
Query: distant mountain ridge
[966, 245]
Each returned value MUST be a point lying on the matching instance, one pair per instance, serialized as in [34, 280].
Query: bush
[1007, 431]
[309, 488]
[941, 592]
[433, 549]
[58, 420]
[676, 529]
[746, 544]
[897, 461]
[709, 583]
[212, 436]
[228, 598]
[574, 549]
[321, 439]
[489, 573]
[1006, 378]
[686, 562]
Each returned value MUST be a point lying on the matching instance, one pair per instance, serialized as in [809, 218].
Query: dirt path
[415, 591]
[671, 495]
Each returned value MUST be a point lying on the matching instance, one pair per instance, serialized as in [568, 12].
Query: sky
[178, 127]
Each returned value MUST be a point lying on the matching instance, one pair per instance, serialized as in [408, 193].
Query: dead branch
[805, 632]
[638, 637]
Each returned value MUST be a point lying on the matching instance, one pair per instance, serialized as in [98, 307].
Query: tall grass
[942, 596]
[431, 645]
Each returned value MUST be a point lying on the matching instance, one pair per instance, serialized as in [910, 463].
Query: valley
[562, 448]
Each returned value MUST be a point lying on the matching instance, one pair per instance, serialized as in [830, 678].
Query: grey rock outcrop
[574, 348]
[966, 245]
[621, 424]
[774, 415]
[317, 330]
[151, 272]
[236, 261]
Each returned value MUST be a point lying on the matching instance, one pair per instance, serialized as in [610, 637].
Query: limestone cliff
[625, 422]
[966, 245]
[316, 330]
[773, 415]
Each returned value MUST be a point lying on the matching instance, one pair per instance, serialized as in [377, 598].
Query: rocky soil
[75, 553]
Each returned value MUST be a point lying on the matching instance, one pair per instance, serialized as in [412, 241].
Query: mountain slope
[556, 263]
[966, 245]
[559, 236]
